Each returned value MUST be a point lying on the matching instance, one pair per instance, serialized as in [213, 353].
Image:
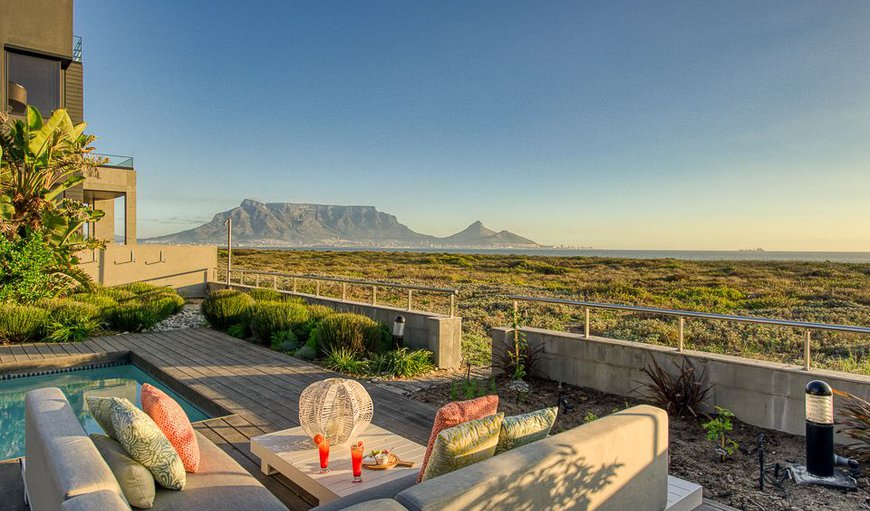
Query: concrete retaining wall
[440, 334]
[764, 394]
[186, 268]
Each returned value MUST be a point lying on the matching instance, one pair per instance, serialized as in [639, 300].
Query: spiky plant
[678, 394]
[855, 424]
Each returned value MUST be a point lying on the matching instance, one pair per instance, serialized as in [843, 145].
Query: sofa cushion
[145, 443]
[526, 428]
[103, 500]
[464, 445]
[171, 419]
[456, 413]
[135, 480]
[219, 484]
[375, 505]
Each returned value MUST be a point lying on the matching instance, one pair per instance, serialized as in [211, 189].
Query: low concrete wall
[764, 394]
[440, 334]
[186, 268]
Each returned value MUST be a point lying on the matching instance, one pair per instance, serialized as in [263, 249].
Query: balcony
[116, 161]
[77, 48]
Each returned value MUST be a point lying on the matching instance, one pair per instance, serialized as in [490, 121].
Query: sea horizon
[688, 255]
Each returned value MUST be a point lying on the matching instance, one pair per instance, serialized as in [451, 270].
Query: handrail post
[374, 295]
[516, 322]
[452, 303]
[257, 280]
[680, 339]
[344, 291]
[294, 284]
[585, 324]
[807, 356]
[316, 288]
[410, 298]
[275, 282]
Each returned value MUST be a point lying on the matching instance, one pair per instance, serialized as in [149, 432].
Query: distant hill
[318, 225]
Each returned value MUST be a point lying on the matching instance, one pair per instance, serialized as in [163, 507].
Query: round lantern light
[337, 408]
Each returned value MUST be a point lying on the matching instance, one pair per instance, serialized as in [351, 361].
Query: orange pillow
[453, 414]
[172, 420]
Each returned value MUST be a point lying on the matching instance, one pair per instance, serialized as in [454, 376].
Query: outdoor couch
[615, 463]
[65, 472]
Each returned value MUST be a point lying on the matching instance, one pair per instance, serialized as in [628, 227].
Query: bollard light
[820, 429]
[398, 332]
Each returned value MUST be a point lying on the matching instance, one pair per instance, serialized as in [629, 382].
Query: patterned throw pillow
[171, 419]
[524, 429]
[101, 411]
[145, 443]
[453, 414]
[464, 445]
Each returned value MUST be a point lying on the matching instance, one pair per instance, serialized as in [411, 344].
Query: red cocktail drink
[356, 457]
[323, 448]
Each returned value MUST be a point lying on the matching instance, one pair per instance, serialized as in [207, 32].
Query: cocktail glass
[356, 457]
[323, 448]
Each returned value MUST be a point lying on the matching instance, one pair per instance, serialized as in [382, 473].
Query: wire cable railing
[274, 280]
[682, 315]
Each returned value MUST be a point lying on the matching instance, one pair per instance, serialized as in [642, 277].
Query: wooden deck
[258, 388]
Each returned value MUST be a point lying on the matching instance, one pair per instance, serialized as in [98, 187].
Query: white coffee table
[292, 453]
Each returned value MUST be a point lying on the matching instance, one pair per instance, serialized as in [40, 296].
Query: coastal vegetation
[824, 292]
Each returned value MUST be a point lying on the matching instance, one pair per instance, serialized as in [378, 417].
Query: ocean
[689, 255]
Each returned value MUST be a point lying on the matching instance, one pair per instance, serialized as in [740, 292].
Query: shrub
[25, 269]
[118, 294]
[137, 288]
[285, 341]
[677, 395]
[102, 302]
[355, 332]
[316, 313]
[306, 352]
[239, 331]
[260, 294]
[403, 363]
[68, 310]
[267, 318]
[21, 323]
[225, 307]
[163, 306]
[344, 360]
[132, 317]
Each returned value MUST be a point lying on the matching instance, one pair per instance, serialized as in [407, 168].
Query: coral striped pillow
[453, 414]
[172, 420]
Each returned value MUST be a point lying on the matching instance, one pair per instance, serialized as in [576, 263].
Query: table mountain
[288, 224]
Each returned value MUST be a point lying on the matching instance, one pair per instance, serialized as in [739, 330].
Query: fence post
[374, 295]
[807, 356]
[344, 291]
[294, 284]
[275, 282]
[452, 303]
[680, 339]
[257, 280]
[586, 324]
[410, 295]
[316, 288]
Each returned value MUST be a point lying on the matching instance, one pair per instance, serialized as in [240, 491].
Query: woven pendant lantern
[337, 408]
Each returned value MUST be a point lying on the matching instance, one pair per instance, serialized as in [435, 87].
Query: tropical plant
[39, 161]
[678, 395]
[21, 323]
[855, 425]
[717, 431]
[266, 318]
[223, 308]
[355, 332]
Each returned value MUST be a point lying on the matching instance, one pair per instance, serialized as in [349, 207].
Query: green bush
[306, 352]
[239, 331]
[70, 321]
[403, 363]
[344, 360]
[132, 317]
[285, 341]
[316, 313]
[355, 332]
[118, 294]
[226, 307]
[163, 306]
[102, 302]
[267, 318]
[137, 288]
[25, 269]
[21, 323]
[261, 294]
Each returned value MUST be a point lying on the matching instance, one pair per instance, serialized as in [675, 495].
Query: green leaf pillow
[101, 411]
[524, 429]
[463, 445]
[145, 442]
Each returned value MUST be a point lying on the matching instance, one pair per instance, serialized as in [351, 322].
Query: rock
[189, 317]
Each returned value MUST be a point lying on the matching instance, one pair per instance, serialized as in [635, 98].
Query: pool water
[120, 381]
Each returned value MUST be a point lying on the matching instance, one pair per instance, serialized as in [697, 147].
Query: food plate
[371, 464]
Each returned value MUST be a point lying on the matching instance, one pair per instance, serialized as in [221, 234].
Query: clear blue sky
[684, 125]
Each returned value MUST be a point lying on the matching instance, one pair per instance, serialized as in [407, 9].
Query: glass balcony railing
[77, 48]
[116, 161]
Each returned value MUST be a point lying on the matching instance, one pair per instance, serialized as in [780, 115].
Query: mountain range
[285, 224]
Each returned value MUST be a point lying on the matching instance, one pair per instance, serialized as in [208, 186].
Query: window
[40, 78]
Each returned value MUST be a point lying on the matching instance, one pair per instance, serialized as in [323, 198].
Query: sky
[612, 124]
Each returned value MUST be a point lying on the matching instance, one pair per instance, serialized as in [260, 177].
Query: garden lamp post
[398, 332]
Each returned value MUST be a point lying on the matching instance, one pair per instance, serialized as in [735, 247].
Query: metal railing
[116, 161]
[272, 279]
[682, 315]
[77, 48]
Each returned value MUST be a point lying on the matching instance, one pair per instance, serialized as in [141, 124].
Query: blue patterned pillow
[101, 411]
[463, 445]
[143, 440]
[524, 429]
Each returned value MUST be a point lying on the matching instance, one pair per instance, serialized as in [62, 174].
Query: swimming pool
[119, 380]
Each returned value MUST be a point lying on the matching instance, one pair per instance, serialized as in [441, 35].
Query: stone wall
[440, 334]
[765, 394]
